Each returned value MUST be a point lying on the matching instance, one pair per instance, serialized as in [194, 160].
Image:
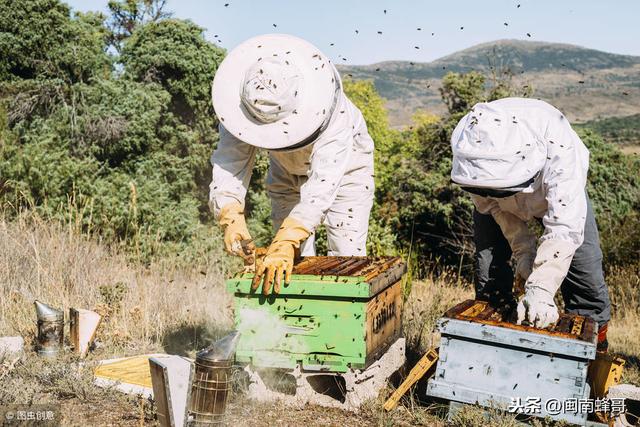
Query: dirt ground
[631, 149]
[241, 412]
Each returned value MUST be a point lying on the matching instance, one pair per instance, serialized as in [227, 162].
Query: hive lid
[357, 277]
[572, 335]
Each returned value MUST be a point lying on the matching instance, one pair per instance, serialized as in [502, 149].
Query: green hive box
[336, 313]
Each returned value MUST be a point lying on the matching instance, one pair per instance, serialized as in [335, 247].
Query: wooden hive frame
[570, 326]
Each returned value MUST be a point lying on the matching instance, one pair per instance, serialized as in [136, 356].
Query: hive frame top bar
[348, 277]
[355, 266]
[568, 326]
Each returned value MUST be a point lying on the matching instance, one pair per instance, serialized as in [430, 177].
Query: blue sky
[606, 25]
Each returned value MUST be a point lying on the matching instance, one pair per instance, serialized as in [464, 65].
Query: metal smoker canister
[50, 330]
[212, 382]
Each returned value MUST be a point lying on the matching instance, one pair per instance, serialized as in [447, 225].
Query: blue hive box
[487, 361]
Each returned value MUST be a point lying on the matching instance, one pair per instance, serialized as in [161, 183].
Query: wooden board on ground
[424, 365]
[129, 375]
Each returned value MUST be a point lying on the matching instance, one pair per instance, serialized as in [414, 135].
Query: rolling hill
[586, 84]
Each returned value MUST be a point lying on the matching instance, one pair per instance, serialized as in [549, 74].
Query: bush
[619, 130]
[388, 150]
[40, 40]
[614, 178]
[174, 53]
[614, 188]
[118, 120]
[418, 202]
[120, 142]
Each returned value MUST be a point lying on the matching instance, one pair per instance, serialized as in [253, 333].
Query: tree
[175, 54]
[423, 207]
[121, 140]
[460, 92]
[614, 189]
[126, 152]
[128, 15]
[389, 148]
[40, 40]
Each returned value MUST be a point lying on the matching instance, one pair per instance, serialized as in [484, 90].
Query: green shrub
[418, 202]
[120, 143]
[174, 53]
[39, 39]
[614, 188]
[118, 120]
[619, 130]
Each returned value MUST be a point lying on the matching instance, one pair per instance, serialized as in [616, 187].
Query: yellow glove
[279, 258]
[237, 240]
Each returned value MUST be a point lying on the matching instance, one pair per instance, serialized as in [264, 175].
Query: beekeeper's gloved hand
[550, 267]
[278, 262]
[537, 307]
[235, 230]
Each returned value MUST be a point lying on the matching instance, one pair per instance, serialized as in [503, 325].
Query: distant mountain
[584, 83]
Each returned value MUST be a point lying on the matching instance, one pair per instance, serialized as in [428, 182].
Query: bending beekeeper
[521, 160]
[280, 93]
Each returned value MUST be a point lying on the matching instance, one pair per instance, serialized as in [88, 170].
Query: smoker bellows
[336, 313]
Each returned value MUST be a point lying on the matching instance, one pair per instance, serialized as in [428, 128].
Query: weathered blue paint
[490, 366]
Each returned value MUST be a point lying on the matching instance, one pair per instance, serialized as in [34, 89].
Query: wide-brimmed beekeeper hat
[493, 148]
[275, 91]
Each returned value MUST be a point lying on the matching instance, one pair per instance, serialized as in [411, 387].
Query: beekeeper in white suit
[280, 93]
[521, 160]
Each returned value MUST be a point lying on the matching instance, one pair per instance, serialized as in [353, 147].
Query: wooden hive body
[489, 361]
[336, 313]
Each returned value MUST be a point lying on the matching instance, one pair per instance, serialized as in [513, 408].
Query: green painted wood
[310, 285]
[282, 331]
[316, 320]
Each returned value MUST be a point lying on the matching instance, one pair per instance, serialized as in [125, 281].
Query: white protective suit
[540, 136]
[329, 180]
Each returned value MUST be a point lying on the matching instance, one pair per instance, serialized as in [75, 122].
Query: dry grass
[145, 307]
[67, 388]
[178, 307]
[631, 149]
[425, 304]
[164, 306]
[624, 329]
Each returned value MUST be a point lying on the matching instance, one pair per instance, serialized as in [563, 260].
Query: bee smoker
[212, 382]
[50, 330]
